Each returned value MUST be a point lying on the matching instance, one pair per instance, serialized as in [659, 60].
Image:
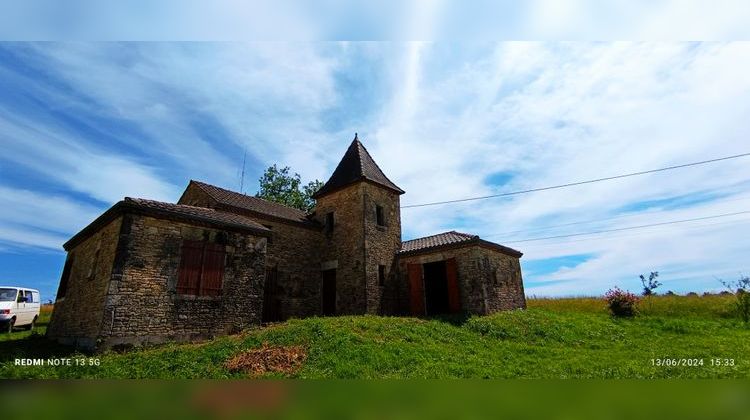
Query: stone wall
[503, 280]
[142, 306]
[343, 248]
[294, 250]
[381, 244]
[77, 317]
[488, 280]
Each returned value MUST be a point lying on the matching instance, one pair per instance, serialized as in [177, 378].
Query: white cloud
[446, 118]
[556, 113]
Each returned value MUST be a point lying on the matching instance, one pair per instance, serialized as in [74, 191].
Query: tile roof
[218, 218]
[202, 214]
[441, 239]
[254, 204]
[447, 239]
[356, 165]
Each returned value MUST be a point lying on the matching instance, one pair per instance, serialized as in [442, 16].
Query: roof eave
[322, 192]
[470, 242]
[122, 207]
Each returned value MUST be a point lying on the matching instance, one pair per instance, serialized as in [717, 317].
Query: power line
[550, 227]
[626, 235]
[628, 228]
[571, 184]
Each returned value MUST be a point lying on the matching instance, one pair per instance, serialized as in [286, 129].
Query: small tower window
[329, 222]
[379, 216]
[381, 275]
[270, 238]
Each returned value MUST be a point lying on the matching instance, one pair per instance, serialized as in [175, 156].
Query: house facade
[218, 261]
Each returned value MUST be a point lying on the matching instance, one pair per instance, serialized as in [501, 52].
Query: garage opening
[433, 288]
[436, 288]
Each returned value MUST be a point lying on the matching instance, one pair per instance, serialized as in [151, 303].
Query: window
[94, 264]
[379, 215]
[329, 222]
[270, 238]
[63, 288]
[381, 275]
[201, 269]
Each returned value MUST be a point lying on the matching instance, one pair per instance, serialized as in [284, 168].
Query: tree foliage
[651, 284]
[280, 186]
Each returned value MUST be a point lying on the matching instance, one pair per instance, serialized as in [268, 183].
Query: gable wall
[142, 306]
[76, 317]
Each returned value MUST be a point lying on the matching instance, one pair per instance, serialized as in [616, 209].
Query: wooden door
[416, 289]
[329, 292]
[454, 295]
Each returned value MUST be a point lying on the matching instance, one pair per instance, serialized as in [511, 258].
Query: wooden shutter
[191, 265]
[416, 288]
[213, 270]
[454, 296]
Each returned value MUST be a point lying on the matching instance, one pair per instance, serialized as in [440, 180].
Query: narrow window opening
[270, 238]
[381, 275]
[379, 216]
[329, 222]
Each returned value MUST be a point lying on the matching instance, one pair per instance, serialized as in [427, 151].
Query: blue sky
[84, 124]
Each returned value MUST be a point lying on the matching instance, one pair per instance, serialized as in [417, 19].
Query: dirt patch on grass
[268, 359]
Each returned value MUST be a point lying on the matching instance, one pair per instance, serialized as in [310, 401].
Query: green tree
[279, 186]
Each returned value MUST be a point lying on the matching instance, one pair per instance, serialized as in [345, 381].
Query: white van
[19, 306]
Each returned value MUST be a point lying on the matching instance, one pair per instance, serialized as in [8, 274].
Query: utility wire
[629, 227]
[631, 234]
[632, 214]
[590, 181]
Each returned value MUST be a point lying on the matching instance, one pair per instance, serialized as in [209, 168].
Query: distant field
[554, 338]
[710, 306]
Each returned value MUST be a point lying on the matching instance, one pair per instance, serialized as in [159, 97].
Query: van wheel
[9, 326]
[31, 326]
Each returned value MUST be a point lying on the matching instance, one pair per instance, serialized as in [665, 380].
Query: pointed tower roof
[356, 165]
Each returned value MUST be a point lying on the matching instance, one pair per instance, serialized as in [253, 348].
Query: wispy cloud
[83, 125]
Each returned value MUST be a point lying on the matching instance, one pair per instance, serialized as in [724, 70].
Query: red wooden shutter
[190, 268]
[213, 270]
[416, 288]
[454, 297]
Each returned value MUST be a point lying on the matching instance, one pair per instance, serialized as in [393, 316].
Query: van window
[35, 297]
[8, 295]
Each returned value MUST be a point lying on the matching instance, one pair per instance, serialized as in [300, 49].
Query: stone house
[218, 261]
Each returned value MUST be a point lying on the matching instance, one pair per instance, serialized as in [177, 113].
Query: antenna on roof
[242, 177]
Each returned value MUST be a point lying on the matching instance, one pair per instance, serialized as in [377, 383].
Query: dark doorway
[329, 292]
[436, 288]
[271, 303]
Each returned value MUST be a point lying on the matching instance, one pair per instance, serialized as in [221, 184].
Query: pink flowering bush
[621, 303]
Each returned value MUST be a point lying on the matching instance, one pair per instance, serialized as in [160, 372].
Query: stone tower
[360, 209]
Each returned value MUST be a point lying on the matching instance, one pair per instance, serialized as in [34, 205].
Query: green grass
[565, 338]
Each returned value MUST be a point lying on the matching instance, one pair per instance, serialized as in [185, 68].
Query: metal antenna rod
[242, 177]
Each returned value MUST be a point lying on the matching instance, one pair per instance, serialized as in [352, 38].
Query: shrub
[621, 303]
[741, 290]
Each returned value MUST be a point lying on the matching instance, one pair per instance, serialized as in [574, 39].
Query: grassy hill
[554, 338]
